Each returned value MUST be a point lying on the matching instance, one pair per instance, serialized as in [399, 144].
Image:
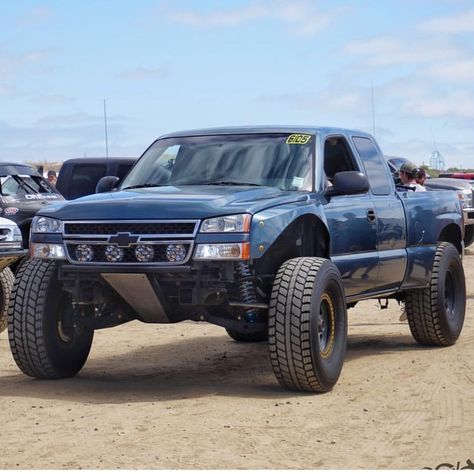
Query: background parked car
[463, 187]
[23, 192]
[79, 176]
[11, 251]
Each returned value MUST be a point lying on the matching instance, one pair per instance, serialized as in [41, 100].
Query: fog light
[84, 253]
[113, 253]
[240, 251]
[49, 251]
[176, 252]
[144, 253]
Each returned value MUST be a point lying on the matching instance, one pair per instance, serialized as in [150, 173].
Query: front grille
[125, 236]
[129, 254]
[186, 228]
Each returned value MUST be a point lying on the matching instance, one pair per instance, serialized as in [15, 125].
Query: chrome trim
[196, 223]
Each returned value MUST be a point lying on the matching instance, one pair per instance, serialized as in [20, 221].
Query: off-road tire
[436, 314]
[40, 345]
[6, 284]
[468, 235]
[305, 354]
[248, 337]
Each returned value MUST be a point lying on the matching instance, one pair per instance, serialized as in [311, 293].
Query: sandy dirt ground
[186, 396]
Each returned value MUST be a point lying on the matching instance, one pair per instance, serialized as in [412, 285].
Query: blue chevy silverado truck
[271, 233]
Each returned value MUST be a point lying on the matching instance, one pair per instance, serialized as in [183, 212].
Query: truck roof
[266, 129]
[9, 168]
[100, 159]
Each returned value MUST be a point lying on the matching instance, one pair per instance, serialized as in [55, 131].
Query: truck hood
[169, 202]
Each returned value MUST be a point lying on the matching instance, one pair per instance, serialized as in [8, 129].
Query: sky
[402, 70]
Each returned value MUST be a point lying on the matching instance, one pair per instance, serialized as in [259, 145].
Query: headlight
[46, 225]
[10, 235]
[236, 223]
[465, 197]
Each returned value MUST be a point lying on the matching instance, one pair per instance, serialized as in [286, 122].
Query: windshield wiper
[229, 183]
[145, 185]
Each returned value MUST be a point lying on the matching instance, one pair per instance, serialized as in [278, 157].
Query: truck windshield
[276, 160]
[14, 185]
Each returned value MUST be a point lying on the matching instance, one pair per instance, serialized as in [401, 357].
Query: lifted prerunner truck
[269, 232]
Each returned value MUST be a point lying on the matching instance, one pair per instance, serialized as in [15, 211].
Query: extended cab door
[351, 222]
[389, 215]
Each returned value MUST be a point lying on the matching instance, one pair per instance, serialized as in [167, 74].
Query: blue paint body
[390, 253]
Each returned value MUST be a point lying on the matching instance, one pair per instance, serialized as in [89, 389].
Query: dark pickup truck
[79, 176]
[271, 233]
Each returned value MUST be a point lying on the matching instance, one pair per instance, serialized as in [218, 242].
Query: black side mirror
[106, 184]
[348, 182]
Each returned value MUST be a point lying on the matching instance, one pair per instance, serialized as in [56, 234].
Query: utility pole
[105, 126]
[373, 107]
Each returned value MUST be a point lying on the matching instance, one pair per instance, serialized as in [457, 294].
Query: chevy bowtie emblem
[123, 239]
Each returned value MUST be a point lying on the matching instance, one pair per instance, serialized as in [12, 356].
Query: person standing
[408, 176]
[52, 177]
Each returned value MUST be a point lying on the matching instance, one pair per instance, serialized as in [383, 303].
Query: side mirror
[106, 184]
[348, 182]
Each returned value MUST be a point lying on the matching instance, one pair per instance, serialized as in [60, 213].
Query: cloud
[453, 71]
[35, 16]
[461, 22]
[12, 64]
[452, 104]
[53, 99]
[142, 73]
[61, 137]
[393, 51]
[302, 17]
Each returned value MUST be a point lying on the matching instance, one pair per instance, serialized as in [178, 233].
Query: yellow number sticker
[298, 139]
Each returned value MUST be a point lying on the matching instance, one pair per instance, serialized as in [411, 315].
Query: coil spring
[246, 289]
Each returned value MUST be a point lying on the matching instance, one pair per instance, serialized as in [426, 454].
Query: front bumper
[468, 216]
[9, 256]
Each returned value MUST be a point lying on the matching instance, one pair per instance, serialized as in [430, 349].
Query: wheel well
[306, 236]
[451, 233]
[25, 232]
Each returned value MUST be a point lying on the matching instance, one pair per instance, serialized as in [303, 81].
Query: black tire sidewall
[450, 262]
[67, 358]
[329, 281]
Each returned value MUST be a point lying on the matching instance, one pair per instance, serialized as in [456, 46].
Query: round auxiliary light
[144, 253]
[113, 253]
[176, 252]
[84, 253]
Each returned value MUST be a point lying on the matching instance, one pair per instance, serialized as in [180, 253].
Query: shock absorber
[246, 289]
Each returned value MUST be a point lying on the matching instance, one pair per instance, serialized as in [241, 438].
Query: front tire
[47, 339]
[6, 284]
[307, 325]
[436, 314]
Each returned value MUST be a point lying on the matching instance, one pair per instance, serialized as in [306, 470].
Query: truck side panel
[428, 213]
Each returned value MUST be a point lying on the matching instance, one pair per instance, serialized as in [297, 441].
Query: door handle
[371, 216]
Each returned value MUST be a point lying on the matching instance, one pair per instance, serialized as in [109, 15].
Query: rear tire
[307, 325]
[47, 340]
[6, 284]
[248, 337]
[436, 314]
